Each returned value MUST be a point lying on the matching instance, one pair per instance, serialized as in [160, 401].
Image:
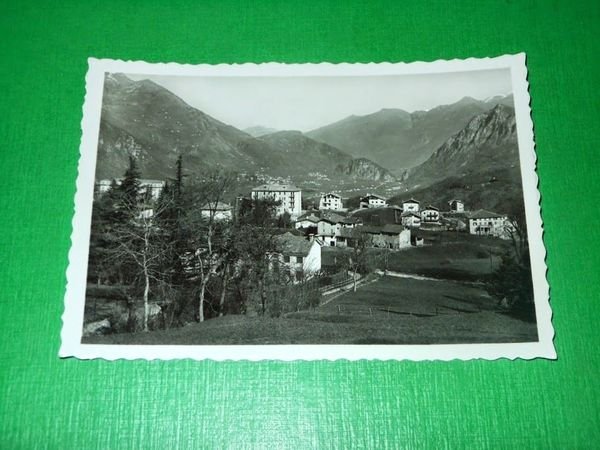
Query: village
[327, 223]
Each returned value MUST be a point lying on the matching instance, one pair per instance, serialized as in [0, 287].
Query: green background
[71, 404]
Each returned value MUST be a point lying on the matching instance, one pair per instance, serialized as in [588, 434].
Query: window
[299, 259]
[286, 259]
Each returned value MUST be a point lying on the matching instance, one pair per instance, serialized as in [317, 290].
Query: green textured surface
[71, 404]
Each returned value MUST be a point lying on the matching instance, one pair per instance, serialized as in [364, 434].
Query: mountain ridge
[144, 119]
[398, 140]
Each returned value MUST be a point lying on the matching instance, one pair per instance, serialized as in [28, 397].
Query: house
[411, 219]
[388, 236]
[396, 236]
[487, 223]
[329, 227]
[351, 222]
[372, 201]
[430, 214]
[456, 206]
[149, 188]
[410, 205]
[219, 211]
[331, 201]
[306, 221]
[301, 256]
[289, 196]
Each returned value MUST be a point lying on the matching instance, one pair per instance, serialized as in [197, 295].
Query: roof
[331, 194]
[484, 214]
[276, 188]
[373, 196]
[309, 217]
[410, 200]
[410, 213]
[392, 229]
[455, 200]
[331, 217]
[430, 207]
[219, 206]
[291, 244]
[351, 220]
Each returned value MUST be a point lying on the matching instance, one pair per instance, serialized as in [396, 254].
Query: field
[388, 310]
[445, 255]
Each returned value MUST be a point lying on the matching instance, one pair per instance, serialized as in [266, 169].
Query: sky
[306, 103]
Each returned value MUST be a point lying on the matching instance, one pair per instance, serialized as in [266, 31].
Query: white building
[308, 220]
[411, 219]
[289, 196]
[410, 205]
[152, 188]
[331, 201]
[430, 214]
[372, 201]
[487, 223]
[456, 206]
[329, 227]
[219, 211]
[301, 256]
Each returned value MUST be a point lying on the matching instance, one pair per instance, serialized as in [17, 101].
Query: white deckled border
[78, 254]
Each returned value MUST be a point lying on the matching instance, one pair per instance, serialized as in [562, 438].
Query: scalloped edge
[72, 317]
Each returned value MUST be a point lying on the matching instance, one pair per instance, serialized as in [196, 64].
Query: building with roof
[331, 201]
[218, 211]
[329, 227]
[411, 219]
[456, 206]
[430, 214]
[390, 236]
[149, 188]
[372, 201]
[487, 223]
[288, 196]
[301, 256]
[307, 221]
[410, 205]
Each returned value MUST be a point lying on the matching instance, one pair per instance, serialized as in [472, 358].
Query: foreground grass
[388, 311]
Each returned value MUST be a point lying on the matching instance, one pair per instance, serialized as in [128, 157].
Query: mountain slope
[479, 164]
[397, 139]
[302, 155]
[259, 131]
[160, 126]
[148, 121]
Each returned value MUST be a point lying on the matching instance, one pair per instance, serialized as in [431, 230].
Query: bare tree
[208, 231]
[359, 260]
[141, 243]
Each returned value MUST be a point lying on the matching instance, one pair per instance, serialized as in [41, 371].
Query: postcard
[307, 211]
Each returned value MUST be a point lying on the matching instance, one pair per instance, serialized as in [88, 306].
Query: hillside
[479, 164]
[148, 121]
[259, 131]
[143, 118]
[396, 139]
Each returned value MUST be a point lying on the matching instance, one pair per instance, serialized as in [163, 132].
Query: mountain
[479, 164]
[304, 155]
[396, 139]
[144, 119]
[259, 131]
[366, 169]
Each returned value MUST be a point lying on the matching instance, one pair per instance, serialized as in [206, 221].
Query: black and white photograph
[313, 211]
